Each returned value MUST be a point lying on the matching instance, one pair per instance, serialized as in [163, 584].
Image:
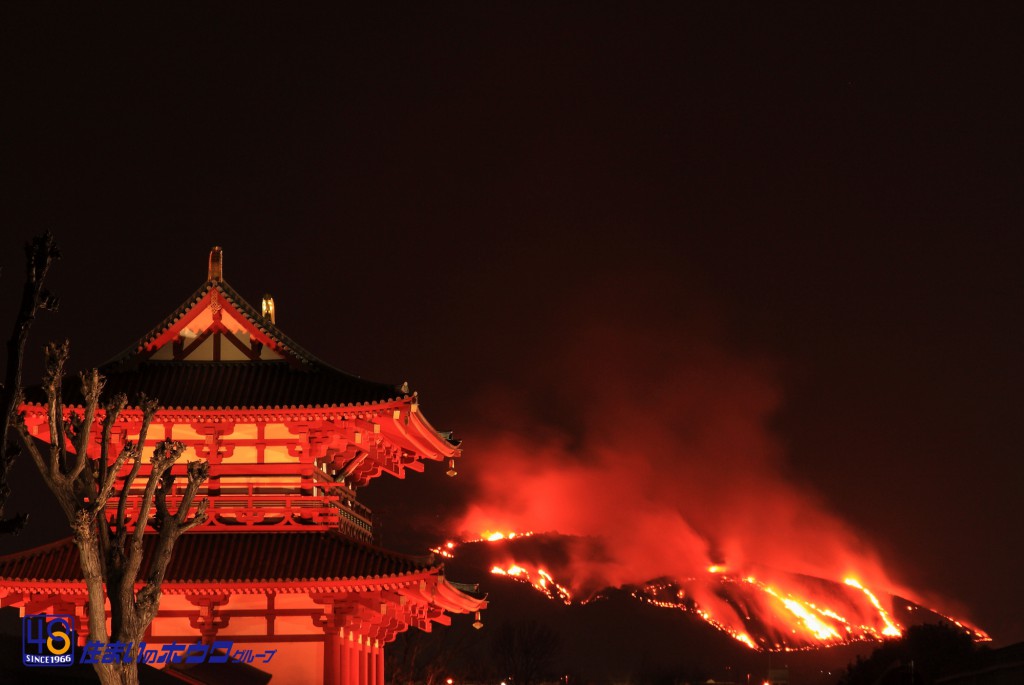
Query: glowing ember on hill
[538, 578]
[891, 629]
[788, 612]
[448, 548]
[807, 613]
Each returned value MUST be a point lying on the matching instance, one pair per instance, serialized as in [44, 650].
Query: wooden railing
[266, 497]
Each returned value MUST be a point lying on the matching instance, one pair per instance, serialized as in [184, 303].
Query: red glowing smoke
[670, 462]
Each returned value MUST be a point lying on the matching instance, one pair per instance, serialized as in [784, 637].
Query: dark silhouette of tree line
[517, 652]
[924, 654]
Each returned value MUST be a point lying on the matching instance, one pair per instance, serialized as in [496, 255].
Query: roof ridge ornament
[268, 310]
[215, 272]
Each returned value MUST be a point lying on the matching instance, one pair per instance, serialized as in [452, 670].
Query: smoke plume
[657, 444]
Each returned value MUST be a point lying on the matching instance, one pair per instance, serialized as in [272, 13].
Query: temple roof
[216, 350]
[234, 557]
[237, 385]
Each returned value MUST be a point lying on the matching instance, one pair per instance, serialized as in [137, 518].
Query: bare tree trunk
[118, 674]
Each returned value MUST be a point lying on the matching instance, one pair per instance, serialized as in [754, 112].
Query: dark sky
[451, 195]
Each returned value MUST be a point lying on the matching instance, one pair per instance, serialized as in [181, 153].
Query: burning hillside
[654, 458]
[761, 608]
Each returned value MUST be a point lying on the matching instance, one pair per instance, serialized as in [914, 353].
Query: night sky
[466, 197]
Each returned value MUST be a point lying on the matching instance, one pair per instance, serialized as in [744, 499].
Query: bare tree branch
[30, 446]
[121, 525]
[92, 385]
[149, 408]
[199, 518]
[56, 356]
[171, 527]
[166, 486]
[99, 479]
[198, 472]
[39, 255]
[107, 475]
[165, 454]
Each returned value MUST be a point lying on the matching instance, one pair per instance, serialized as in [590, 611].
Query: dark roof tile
[242, 384]
[240, 557]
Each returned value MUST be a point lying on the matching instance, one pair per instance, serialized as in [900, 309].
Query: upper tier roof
[239, 384]
[218, 351]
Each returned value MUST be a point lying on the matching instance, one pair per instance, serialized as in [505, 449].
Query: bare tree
[39, 254]
[110, 547]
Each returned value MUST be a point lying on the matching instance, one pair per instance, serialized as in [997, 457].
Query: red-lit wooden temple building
[286, 557]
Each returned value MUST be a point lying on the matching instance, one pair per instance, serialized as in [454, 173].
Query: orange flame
[792, 613]
[540, 579]
[891, 629]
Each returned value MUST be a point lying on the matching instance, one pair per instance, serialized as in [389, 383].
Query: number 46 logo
[48, 640]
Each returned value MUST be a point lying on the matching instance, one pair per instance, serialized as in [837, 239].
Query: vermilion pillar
[372, 661]
[353, 659]
[82, 622]
[380, 664]
[363, 654]
[332, 657]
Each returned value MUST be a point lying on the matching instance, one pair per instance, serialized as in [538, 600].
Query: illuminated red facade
[286, 555]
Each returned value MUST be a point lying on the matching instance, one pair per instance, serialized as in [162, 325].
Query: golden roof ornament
[215, 271]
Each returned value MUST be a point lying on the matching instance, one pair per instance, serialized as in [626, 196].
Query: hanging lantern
[478, 624]
[451, 469]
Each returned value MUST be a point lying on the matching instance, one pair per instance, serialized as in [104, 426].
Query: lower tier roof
[253, 557]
